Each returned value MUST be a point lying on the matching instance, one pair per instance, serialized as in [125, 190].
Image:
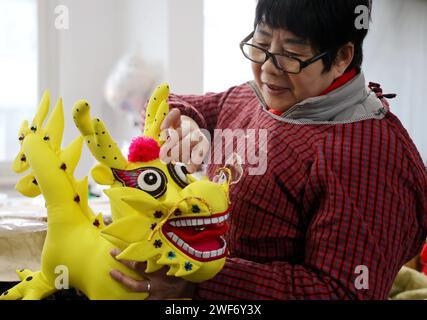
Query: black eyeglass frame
[268, 55]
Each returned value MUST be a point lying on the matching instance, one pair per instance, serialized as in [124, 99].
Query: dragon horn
[97, 138]
[55, 125]
[71, 155]
[20, 163]
[42, 111]
[157, 110]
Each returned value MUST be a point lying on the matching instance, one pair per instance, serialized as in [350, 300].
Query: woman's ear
[344, 58]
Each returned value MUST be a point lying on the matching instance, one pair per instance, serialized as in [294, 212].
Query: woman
[342, 203]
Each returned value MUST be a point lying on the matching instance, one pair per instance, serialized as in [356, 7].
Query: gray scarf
[352, 102]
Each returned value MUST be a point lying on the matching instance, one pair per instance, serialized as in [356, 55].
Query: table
[23, 227]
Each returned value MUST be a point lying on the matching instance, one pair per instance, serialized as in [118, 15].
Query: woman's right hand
[185, 141]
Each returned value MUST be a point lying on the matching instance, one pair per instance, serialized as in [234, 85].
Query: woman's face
[282, 90]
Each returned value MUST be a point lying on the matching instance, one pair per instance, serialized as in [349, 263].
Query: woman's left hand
[158, 285]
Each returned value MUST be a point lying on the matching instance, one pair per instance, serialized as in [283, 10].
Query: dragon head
[161, 213]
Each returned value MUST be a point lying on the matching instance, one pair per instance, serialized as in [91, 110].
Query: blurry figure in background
[129, 86]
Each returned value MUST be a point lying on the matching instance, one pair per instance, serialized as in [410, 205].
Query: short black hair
[326, 24]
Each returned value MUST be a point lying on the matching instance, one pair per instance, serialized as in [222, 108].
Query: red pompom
[143, 149]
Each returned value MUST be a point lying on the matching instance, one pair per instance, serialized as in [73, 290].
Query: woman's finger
[184, 149]
[172, 120]
[133, 265]
[128, 282]
[199, 152]
[188, 144]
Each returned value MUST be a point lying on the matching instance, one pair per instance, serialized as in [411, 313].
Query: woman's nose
[270, 67]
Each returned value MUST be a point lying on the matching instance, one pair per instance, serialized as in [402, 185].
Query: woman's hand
[186, 142]
[158, 285]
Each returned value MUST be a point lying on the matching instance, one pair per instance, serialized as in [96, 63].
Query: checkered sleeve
[336, 239]
[340, 247]
[204, 109]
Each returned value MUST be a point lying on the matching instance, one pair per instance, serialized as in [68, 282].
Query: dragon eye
[181, 171]
[149, 180]
[178, 172]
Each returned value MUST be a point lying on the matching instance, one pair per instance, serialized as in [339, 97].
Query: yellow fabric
[77, 239]
[73, 238]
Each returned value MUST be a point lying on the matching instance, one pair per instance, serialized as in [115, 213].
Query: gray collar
[352, 102]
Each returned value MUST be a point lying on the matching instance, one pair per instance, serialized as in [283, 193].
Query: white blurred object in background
[129, 86]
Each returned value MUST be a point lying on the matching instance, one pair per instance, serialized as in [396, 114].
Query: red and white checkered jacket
[338, 194]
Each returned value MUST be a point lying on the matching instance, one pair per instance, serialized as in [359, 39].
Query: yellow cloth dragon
[161, 214]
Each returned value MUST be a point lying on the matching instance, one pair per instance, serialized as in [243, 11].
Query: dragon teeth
[175, 238]
[198, 222]
[180, 242]
[222, 219]
[205, 255]
[186, 247]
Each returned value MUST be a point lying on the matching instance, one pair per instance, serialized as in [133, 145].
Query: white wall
[185, 63]
[145, 24]
[170, 33]
[224, 63]
[396, 57]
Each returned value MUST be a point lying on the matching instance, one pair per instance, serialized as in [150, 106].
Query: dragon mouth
[199, 238]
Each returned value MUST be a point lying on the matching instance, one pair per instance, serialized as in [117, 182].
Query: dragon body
[161, 214]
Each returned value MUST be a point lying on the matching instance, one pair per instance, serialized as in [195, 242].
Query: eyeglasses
[284, 62]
